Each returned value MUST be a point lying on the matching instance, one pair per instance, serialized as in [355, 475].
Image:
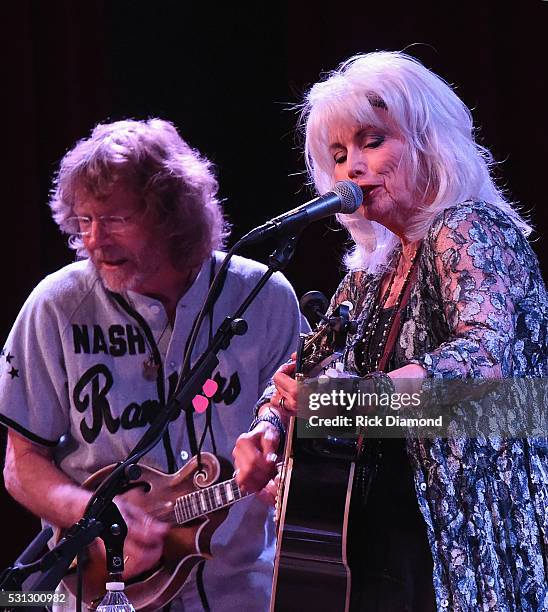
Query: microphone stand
[102, 517]
[232, 326]
[12, 578]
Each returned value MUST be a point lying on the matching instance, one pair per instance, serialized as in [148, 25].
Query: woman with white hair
[444, 285]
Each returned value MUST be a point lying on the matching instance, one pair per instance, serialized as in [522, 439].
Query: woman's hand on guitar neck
[286, 389]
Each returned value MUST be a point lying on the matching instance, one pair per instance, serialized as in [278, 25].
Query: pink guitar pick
[200, 403]
[210, 388]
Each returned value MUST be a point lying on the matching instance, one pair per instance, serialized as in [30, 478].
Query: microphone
[345, 197]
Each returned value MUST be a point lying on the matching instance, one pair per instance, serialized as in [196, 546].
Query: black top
[389, 554]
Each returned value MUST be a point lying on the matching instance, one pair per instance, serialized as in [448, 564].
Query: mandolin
[194, 502]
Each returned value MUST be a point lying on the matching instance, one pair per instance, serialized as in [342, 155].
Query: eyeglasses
[111, 224]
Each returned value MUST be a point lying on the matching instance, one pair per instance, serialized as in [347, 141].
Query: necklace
[150, 365]
[365, 353]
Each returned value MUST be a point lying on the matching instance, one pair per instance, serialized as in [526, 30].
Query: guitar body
[185, 545]
[311, 569]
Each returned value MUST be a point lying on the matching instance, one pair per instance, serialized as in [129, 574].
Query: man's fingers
[144, 542]
[144, 529]
[138, 558]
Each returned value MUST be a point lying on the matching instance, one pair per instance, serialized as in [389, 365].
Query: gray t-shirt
[73, 371]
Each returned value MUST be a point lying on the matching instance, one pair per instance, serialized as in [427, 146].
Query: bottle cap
[115, 586]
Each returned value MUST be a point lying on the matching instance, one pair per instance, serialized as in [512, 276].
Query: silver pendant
[150, 369]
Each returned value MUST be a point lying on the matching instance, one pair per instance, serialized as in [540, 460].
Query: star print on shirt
[9, 357]
[14, 373]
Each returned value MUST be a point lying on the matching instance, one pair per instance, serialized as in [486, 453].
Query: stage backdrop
[227, 76]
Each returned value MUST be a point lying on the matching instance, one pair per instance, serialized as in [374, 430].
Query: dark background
[226, 75]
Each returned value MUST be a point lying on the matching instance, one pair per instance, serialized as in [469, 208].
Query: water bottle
[115, 600]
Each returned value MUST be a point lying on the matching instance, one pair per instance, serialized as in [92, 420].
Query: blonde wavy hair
[440, 148]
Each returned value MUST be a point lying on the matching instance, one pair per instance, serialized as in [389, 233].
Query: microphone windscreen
[350, 194]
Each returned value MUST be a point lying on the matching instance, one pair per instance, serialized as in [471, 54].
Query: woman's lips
[367, 190]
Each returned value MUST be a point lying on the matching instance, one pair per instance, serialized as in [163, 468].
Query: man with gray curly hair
[98, 347]
[147, 170]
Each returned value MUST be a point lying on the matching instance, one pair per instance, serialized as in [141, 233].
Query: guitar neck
[206, 500]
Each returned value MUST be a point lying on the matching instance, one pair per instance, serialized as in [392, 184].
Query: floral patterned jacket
[478, 308]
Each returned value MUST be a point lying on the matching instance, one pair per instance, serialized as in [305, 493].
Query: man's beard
[131, 275]
[120, 280]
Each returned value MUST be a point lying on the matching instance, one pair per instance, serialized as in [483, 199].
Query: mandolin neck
[206, 500]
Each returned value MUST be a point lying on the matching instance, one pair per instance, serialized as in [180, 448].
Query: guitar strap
[189, 414]
[200, 585]
[195, 449]
[396, 322]
[391, 341]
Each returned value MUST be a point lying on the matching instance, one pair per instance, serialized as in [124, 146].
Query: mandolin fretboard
[204, 501]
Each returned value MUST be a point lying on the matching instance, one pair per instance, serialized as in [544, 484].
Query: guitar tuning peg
[352, 327]
[313, 305]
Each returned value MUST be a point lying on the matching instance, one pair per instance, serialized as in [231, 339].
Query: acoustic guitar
[311, 571]
[195, 502]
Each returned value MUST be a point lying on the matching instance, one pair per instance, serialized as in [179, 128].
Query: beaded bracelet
[265, 398]
[260, 404]
[273, 419]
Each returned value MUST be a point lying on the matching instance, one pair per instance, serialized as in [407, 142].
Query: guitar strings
[169, 513]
